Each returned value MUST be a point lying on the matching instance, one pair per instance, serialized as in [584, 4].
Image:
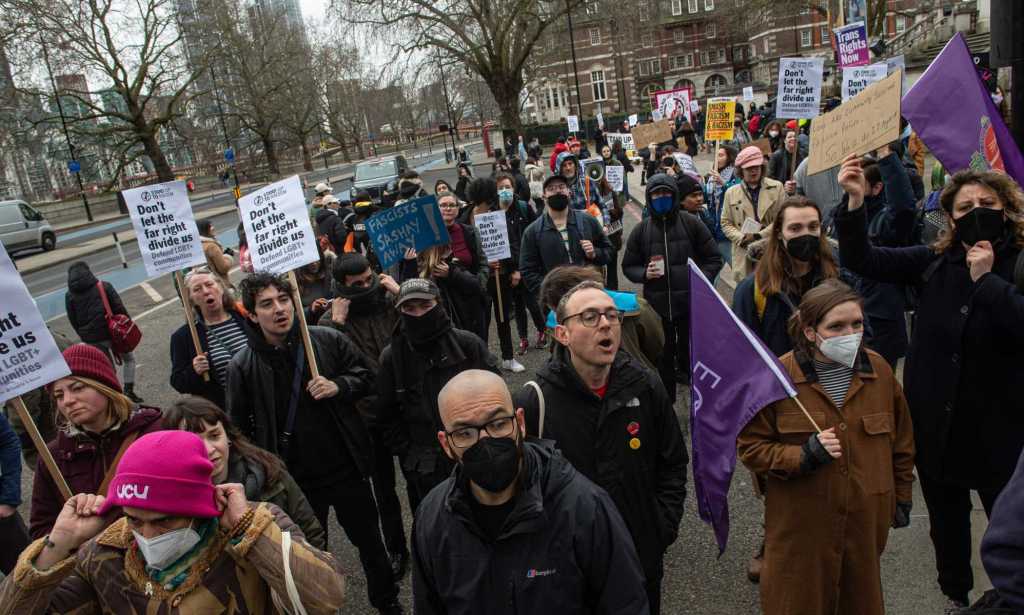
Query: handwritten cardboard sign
[719, 123]
[29, 358]
[655, 132]
[164, 227]
[277, 225]
[413, 224]
[614, 174]
[867, 121]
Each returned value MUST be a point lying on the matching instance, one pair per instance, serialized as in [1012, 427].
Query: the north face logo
[130, 491]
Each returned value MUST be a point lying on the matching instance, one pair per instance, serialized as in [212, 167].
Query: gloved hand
[902, 517]
[813, 455]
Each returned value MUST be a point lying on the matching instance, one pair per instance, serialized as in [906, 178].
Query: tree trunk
[344, 149]
[307, 159]
[271, 154]
[156, 155]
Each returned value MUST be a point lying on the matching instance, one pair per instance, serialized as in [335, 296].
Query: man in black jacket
[311, 423]
[613, 421]
[561, 236]
[422, 357]
[330, 222]
[516, 524]
[656, 254]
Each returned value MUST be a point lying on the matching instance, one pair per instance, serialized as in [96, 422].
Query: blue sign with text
[413, 224]
[74, 166]
[229, 154]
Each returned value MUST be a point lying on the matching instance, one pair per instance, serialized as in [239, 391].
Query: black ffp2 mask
[492, 463]
[980, 224]
[803, 247]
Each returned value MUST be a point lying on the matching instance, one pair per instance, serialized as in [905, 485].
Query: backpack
[124, 333]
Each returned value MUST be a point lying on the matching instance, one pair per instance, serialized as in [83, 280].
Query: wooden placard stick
[307, 342]
[190, 317]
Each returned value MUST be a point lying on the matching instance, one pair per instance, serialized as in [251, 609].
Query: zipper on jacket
[668, 277]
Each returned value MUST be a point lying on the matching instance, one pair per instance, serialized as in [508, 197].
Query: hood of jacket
[80, 278]
[249, 473]
[662, 180]
[562, 157]
[323, 214]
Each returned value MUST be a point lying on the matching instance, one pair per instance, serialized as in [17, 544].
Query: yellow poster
[718, 125]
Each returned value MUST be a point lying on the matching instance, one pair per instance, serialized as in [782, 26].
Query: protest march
[762, 338]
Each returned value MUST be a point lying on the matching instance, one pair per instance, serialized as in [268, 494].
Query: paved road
[697, 581]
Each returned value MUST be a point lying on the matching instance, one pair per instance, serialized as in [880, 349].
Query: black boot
[129, 391]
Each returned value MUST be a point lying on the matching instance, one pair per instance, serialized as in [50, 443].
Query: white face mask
[773, 133]
[163, 550]
[841, 348]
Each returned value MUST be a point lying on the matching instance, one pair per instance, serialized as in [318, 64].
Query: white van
[24, 228]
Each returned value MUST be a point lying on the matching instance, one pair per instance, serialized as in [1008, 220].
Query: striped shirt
[835, 379]
[224, 340]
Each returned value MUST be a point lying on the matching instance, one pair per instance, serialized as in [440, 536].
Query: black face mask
[492, 463]
[364, 299]
[558, 201]
[423, 329]
[409, 190]
[980, 224]
[803, 247]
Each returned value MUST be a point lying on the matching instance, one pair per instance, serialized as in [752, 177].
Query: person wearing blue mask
[656, 254]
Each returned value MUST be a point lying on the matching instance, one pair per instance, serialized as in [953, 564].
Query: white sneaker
[513, 366]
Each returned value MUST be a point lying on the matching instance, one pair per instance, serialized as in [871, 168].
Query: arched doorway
[688, 85]
[714, 84]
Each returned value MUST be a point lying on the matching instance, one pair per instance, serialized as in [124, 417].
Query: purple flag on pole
[734, 376]
[953, 113]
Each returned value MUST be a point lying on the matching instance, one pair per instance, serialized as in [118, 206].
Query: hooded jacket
[329, 223]
[83, 459]
[677, 236]
[558, 149]
[582, 191]
[84, 305]
[646, 478]
[564, 548]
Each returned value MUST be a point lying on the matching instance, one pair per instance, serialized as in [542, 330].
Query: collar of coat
[861, 366]
[570, 220]
[622, 379]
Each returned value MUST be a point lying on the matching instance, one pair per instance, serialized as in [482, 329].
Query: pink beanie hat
[750, 157]
[165, 472]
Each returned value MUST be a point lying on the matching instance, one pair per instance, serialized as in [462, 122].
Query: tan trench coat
[825, 531]
[737, 207]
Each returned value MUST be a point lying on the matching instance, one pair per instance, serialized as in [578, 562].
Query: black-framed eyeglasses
[590, 318]
[500, 427]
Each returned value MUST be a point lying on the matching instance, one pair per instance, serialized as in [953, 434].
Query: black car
[379, 177]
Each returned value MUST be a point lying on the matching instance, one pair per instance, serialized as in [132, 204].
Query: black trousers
[611, 276]
[356, 510]
[653, 589]
[388, 504]
[13, 540]
[525, 301]
[502, 314]
[675, 353]
[949, 513]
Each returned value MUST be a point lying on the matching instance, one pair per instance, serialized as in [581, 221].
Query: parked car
[379, 177]
[24, 228]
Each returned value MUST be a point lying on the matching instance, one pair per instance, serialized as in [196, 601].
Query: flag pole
[806, 413]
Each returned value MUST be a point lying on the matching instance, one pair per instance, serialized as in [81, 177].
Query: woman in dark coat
[966, 352]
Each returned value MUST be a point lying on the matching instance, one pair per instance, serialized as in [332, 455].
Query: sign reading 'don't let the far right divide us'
[277, 227]
[799, 94]
[29, 358]
[164, 227]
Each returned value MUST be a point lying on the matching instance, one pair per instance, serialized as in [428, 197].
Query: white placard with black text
[493, 230]
[277, 226]
[574, 123]
[614, 175]
[165, 227]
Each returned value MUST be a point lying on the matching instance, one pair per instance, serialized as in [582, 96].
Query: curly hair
[1006, 189]
[255, 283]
[482, 190]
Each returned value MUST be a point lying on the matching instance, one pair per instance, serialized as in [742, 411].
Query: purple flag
[953, 113]
[734, 376]
[852, 45]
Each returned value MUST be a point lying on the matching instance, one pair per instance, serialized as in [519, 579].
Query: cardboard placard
[573, 122]
[869, 120]
[277, 225]
[852, 45]
[656, 115]
[655, 132]
[719, 123]
[857, 79]
[413, 224]
[165, 227]
[615, 174]
[765, 145]
[29, 358]
[799, 94]
[493, 229]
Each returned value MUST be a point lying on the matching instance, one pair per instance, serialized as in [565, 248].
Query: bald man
[515, 517]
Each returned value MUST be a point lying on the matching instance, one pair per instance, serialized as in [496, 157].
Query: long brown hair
[774, 270]
[197, 414]
[1006, 189]
[814, 306]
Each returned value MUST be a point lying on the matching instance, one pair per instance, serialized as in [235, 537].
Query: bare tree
[131, 48]
[343, 79]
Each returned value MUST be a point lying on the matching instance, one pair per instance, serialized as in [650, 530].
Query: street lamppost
[447, 103]
[575, 69]
[67, 135]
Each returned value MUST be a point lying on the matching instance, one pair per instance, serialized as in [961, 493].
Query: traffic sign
[74, 166]
[229, 154]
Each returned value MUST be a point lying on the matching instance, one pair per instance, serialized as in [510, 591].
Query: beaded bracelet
[243, 523]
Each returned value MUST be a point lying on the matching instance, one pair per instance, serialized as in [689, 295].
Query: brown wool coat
[825, 531]
[107, 576]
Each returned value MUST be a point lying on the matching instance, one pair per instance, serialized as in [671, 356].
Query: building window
[683, 61]
[901, 24]
[646, 41]
[705, 58]
[767, 46]
[721, 54]
[645, 68]
[592, 7]
[656, 67]
[825, 39]
[709, 5]
[595, 36]
[805, 38]
[691, 6]
[711, 29]
[677, 7]
[643, 10]
[679, 35]
[714, 84]
[547, 98]
[597, 84]
[752, 51]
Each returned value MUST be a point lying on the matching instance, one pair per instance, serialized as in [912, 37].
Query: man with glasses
[424, 354]
[516, 523]
[561, 236]
[614, 422]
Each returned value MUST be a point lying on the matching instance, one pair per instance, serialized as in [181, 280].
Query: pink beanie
[751, 156]
[165, 472]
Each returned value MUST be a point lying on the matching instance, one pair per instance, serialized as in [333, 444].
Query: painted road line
[149, 290]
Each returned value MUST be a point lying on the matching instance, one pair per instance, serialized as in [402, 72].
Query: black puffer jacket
[646, 478]
[677, 236]
[84, 305]
[563, 549]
